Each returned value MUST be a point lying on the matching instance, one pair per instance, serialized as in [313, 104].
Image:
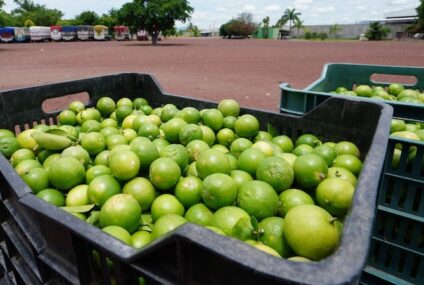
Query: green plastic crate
[349, 75]
[396, 255]
[397, 247]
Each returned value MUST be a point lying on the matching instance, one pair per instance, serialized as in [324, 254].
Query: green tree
[377, 32]
[87, 18]
[170, 32]
[298, 25]
[110, 19]
[1, 3]
[281, 22]
[265, 25]
[420, 13]
[242, 26]
[66, 22]
[290, 16]
[7, 19]
[28, 23]
[154, 15]
[193, 30]
[37, 13]
[335, 29]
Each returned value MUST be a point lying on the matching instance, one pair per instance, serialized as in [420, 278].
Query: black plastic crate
[61, 248]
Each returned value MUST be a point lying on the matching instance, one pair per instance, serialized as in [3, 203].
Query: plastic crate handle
[362, 73]
[23, 106]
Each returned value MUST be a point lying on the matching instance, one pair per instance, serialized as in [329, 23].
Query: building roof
[406, 13]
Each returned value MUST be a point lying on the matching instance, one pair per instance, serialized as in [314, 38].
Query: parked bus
[142, 35]
[101, 33]
[69, 33]
[7, 34]
[122, 33]
[21, 35]
[56, 33]
[85, 32]
[39, 33]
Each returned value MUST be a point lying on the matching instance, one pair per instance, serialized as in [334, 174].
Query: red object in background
[56, 28]
[121, 29]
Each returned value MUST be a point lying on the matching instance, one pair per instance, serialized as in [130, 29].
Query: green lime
[52, 196]
[188, 191]
[273, 235]
[276, 172]
[199, 214]
[258, 199]
[219, 190]
[8, 145]
[309, 170]
[291, 198]
[121, 210]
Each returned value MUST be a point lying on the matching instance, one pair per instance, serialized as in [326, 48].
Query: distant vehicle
[101, 33]
[122, 33]
[56, 33]
[7, 35]
[69, 33]
[21, 34]
[85, 32]
[142, 35]
[40, 34]
[419, 36]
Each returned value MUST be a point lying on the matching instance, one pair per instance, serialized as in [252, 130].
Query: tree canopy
[154, 15]
[38, 14]
[377, 32]
[110, 19]
[335, 29]
[87, 18]
[242, 26]
[420, 13]
[290, 16]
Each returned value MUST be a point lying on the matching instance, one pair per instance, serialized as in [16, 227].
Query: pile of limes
[410, 130]
[139, 172]
[393, 92]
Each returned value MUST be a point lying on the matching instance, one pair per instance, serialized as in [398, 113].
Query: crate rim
[326, 66]
[281, 266]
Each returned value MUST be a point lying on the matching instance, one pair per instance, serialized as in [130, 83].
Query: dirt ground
[247, 70]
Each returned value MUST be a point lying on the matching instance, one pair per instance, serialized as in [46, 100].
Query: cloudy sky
[212, 13]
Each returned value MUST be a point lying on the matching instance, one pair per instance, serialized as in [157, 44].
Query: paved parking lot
[246, 70]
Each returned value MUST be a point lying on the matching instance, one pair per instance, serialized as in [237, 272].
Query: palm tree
[280, 23]
[335, 29]
[265, 23]
[290, 16]
[298, 25]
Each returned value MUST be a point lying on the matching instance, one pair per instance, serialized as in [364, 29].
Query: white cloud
[231, 4]
[221, 9]
[361, 8]
[300, 6]
[249, 8]
[398, 2]
[325, 9]
[272, 8]
[199, 16]
[303, 2]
